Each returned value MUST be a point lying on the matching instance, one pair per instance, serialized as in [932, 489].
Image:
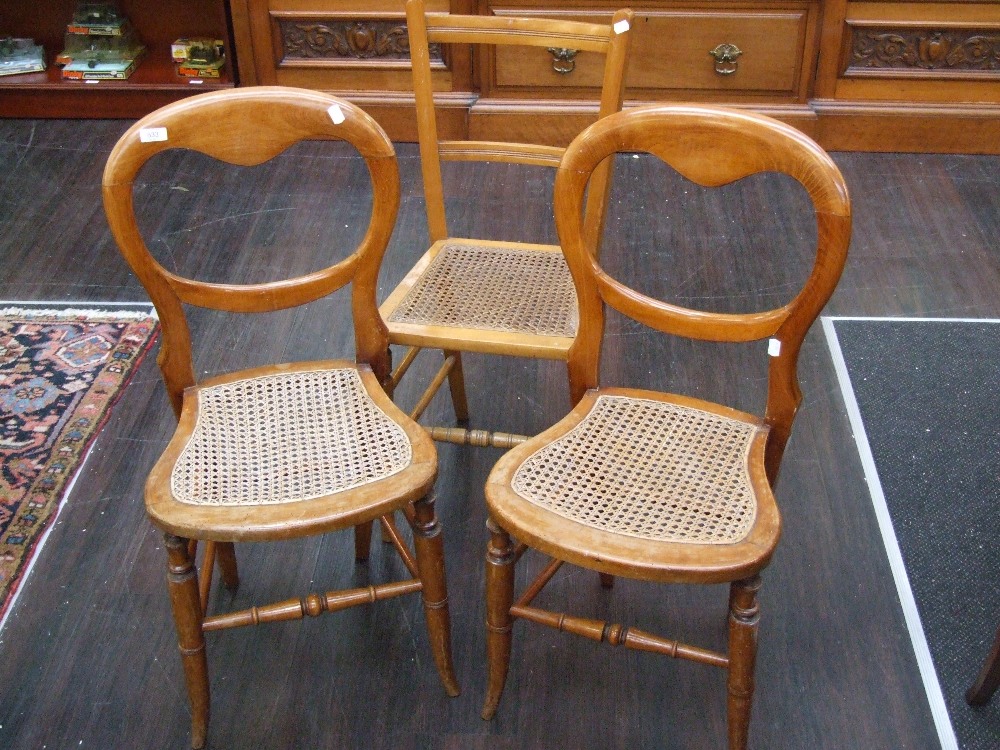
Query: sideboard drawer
[672, 50]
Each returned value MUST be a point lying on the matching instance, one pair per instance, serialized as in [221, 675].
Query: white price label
[151, 135]
[336, 114]
[621, 27]
[774, 347]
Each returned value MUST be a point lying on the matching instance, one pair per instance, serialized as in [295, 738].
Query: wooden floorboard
[88, 654]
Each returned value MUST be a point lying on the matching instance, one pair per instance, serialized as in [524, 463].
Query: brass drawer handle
[563, 59]
[725, 58]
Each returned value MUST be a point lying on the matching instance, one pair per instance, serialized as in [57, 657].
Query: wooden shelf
[153, 83]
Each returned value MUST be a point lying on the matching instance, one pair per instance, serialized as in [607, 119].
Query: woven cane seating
[683, 474]
[511, 289]
[286, 438]
[655, 486]
[493, 296]
[287, 450]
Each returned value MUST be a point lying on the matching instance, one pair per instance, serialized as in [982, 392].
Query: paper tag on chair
[621, 27]
[336, 114]
[151, 135]
[773, 347]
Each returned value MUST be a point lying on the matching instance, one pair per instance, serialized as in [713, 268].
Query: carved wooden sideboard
[909, 76]
[876, 75]
[915, 75]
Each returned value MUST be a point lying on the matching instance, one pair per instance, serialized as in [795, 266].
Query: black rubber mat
[929, 397]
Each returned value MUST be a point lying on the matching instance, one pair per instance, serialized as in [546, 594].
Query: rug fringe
[74, 312]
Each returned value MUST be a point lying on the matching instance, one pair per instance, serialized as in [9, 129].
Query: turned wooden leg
[226, 561]
[386, 537]
[362, 541]
[499, 622]
[430, 563]
[182, 582]
[744, 615]
[456, 383]
[207, 569]
[217, 554]
[989, 677]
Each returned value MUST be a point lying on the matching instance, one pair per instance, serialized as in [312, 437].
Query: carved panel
[356, 39]
[951, 53]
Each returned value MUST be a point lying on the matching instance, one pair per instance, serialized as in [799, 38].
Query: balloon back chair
[649, 485]
[497, 296]
[286, 450]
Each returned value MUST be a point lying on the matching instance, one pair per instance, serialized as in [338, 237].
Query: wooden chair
[649, 485]
[288, 450]
[476, 295]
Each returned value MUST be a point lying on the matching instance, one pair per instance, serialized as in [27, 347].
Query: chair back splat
[656, 486]
[287, 450]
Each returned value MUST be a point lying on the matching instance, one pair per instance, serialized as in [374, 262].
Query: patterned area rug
[61, 371]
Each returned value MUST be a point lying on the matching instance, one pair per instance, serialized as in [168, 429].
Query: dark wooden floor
[88, 659]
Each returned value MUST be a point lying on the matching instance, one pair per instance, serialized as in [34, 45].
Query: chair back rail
[711, 147]
[247, 127]
[611, 41]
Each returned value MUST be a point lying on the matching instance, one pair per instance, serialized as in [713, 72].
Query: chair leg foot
[744, 616]
[362, 541]
[430, 562]
[499, 622]
[386, 536]
[456, 383]
[989, 677]
[225, 560]
[182, 582]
